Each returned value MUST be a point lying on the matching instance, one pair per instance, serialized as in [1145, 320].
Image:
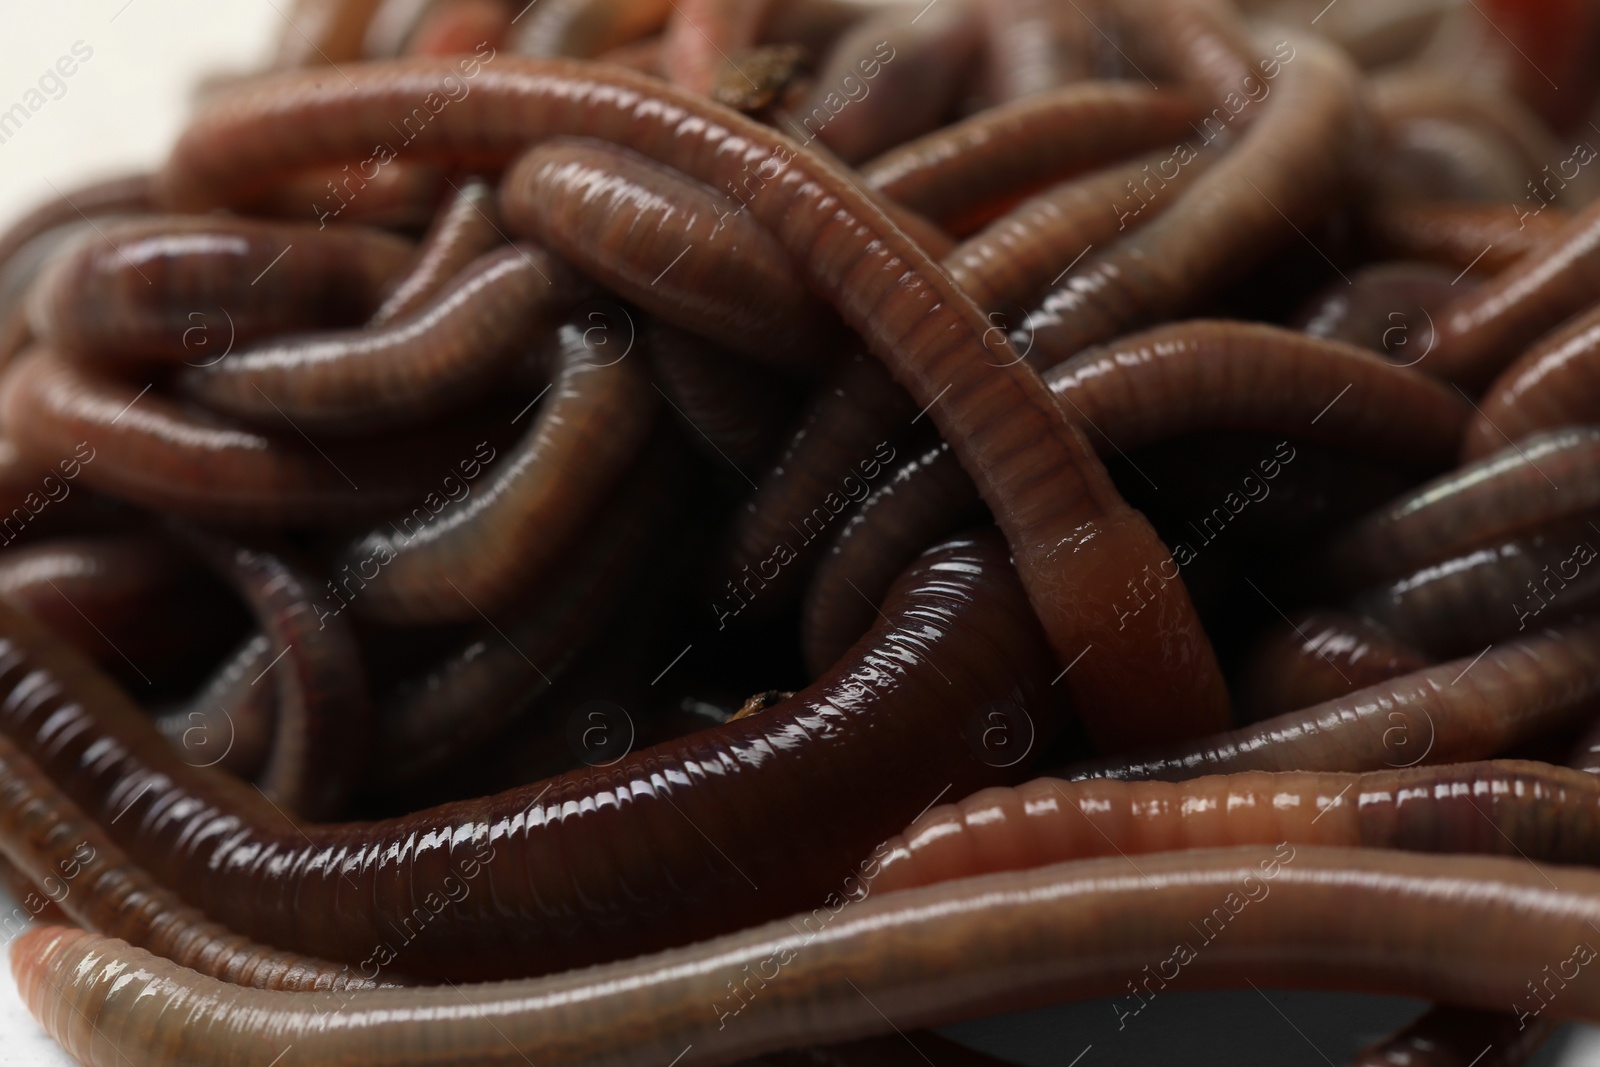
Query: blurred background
[120, 111]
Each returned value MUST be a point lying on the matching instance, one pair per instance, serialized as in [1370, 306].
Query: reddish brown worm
[584, 29]
[684, 252]
[1482, 332]
[1288, 169]
[1297, 916]
[963, 172]
[56, 846]
[479, 551]
[457, 27]
[130, 194]
[702, 35]
[436, 360]
[877, 738]
[1544, 477]
[1485, 238]
[229, 723]
[1074, 541]
[179, 289]
[736, 410]
[1034, 46]
[464, 229]
[1506, 807]
[398, 195]
[1556, 382]
[1203, 44]
[1318, 657]
[925, 498]
[1465, 709]
[321, 32]
[891, 77]
[151, 451]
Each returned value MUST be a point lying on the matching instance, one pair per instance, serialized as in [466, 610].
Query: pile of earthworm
[570, 533]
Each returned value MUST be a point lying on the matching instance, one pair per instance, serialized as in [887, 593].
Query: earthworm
[682, 251]
[1229, 218]
[484, 684]
[33, 905]
[736, 409]
[397, 195]
[1440, 159]
[1201, 43]
[1483, 331]
[1509, 807]
[428, 363]
[1465, 709]
[1011, 261]
[643, 56]
[459, 26]
[1386, 307]
[584, 29]
[972, 168]
[702, 35]
[1447, 1036]
[888, 79]
[1319, 657]
[1482, 238]
[926, 497]
[1543, 477]
[130, 194]
[1297, 916]
[862, 740]
[1553, 383]
[1034, 46]
[323, 32]
[1462, 604]
[464, 229]
[1073, 540]
[478, 552]
[178, 288]
[147, 449]
[230, 721]
[324, 718]
[53, 843]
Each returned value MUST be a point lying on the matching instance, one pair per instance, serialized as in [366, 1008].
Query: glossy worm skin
[167, 457]
[1469, 708]
[1541, 478]
[1387, 308]
[435, 360]
[1034, 46]
[1291, 163]
[1319, 657]
[701, 35]
[682, 251]
[584, 29]
[478, 552]
[528, 890]
[1290, 916]
[125, 195]
[1074, 541]
[462, 231]
[1484, 237]
[53, 843]
[178, 289]
[968, 168]
[230, 721]
[1508, 807]
[1556, 382]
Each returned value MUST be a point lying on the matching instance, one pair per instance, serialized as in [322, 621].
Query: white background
[121, 111]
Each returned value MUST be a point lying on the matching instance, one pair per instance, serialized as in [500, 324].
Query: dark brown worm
[1485, 238]
[1466, 709]
[680, 250]
[593, 864]
[584, 29]
[925, 498]
[735, 410]
[701, 35]
[1074, 541]
[179, 289]
[149, 450]
[1387, 308]
[1507, 807]
[1446, 1036]
[972, 168]
[53, 843]
[230, 722]
[323, 721]
[466, 228]
[1287, 916]
[130, 194]
[1544, 477]
[1556, 382]
[1012, 261]
[484, 685]
[1482, 332]
[844, 441]
[887, 80]
[1463, 604]
[479, 552]
[1319, 657]
[1290, 166]
[423, 365]
[1034, 46]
